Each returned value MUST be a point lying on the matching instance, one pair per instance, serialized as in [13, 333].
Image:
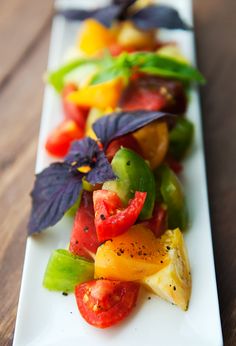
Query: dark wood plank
[21, 99]
[21, 23]
[215, 26]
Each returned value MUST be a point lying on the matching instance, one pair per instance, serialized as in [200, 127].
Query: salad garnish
[148, 17]
[58, 186]
[123, 65]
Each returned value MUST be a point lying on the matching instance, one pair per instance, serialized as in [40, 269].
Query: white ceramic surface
[50, 319]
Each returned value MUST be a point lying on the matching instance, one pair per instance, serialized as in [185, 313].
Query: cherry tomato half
[71, 110]
[103, 303]
[111, 219]
[84, 237]
[60, 139]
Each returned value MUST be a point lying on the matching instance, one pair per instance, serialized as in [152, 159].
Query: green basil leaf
[109, 74]
[155, 64]
[57, 78]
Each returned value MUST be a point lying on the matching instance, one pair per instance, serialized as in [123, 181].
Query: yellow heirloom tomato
[160, 264]
[100, 95]
[173, 283]
[154, 141]
[131, 256]
[94, 37]
[130, 36]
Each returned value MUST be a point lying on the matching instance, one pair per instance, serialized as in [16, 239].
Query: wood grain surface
[24, 40]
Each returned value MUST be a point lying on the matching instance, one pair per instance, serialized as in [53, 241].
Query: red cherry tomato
[127, 141]
[154, 93]
[158, 223]
[60, 139]
[84, 237]
[103, 303]
[111, 219]
[71, 110]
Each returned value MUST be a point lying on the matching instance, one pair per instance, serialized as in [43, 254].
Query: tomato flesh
[60, 139]
[103, 303]
[71, 110]
[84, 239]
[154, 93]
[111, 219]
[127, 141]
[158, 223]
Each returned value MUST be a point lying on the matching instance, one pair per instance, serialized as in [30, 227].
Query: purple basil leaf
[54, 192]
[102, 170]
[82, 152]
[104, 15]
[119, 124]
[86, 152]
[159, 16]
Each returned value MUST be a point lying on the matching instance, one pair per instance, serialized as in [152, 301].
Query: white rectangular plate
[46, 318]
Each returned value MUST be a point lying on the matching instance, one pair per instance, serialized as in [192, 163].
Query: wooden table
[24, 40]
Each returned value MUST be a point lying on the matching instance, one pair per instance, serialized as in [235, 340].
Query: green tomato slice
[171, 192]
[133, 175]
[65, 270]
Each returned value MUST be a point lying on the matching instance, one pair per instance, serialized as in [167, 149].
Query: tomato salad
[124, 96]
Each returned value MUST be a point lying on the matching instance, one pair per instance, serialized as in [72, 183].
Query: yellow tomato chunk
[154, 141]
[130, 36]
[94, 37]
[131, 256]
[101, 95]
[173, 283]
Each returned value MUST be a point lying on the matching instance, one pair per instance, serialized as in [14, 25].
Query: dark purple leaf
[86, 152]
[58, 187]
[104, 15]
[150, 17]
[102, 170]
[54, 192]
[160, 16]
[119, 124]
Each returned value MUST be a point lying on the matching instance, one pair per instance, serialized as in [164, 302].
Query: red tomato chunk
[111, 219]
[60, 139]
[103, 303]
[84, 239]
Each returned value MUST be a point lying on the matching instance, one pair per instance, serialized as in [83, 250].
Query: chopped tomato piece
[111, 219]
[154, 93]
[84, 239]
[127, 141]
[71, 110]
[103, 303]
[60, 139]
[174, 164]
[94, 37]
[158, 223]
[116, 49]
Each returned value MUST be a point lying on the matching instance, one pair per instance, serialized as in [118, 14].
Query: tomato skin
[154, 93]
[158, 223]
[71, 110]
[127, 141]
[103, 303]
[111, 219]
[60, 139]
[84, 237]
